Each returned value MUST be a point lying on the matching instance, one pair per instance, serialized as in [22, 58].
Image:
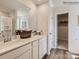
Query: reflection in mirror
[13, 17]
[22, 23]
[1, 24]
[22, 20]
[5, 28]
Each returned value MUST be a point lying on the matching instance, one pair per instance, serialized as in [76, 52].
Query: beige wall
[43, 18]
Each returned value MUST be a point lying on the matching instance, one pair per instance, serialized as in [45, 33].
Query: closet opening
[62, 21]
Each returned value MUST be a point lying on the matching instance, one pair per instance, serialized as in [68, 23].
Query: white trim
[56, 29]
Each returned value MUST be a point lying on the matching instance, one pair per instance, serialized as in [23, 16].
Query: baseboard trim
[58, 49]
[73, 53]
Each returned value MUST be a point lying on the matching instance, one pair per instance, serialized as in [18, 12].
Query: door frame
[56, 28]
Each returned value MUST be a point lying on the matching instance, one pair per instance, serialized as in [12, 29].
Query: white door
[42, 47]
[51, 28]
[51, 35]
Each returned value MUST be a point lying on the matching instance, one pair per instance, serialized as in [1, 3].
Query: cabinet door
[42, 47]
[23, 52]
[25, 55]
[7, 56]
[35, 50]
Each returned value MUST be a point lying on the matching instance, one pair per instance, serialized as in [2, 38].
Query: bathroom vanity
[30, 48]
[18, 18]
[25, 47]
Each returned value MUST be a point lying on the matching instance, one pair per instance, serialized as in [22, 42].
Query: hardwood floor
[59, 54]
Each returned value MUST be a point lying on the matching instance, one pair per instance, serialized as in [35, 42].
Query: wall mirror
[12, 18]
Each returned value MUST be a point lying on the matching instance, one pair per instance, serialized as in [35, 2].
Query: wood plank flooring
[59, 54]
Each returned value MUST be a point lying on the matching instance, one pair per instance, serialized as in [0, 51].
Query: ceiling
[39, 2]
[65, 2]
[11, 5]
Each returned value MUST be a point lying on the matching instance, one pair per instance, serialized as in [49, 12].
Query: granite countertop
[12, 45]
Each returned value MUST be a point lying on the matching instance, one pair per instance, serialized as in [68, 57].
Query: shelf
[63, 23]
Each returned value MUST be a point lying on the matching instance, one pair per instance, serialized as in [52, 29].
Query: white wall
[74, 29]
[73, 25]
[43, 18]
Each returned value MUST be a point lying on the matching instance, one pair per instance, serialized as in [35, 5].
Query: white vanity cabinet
[39, 48]
[7, 56]
[35, 50]
[25, 55]
[42, 47]
[23, 52]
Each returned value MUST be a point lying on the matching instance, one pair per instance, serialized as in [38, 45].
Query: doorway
[62, 23]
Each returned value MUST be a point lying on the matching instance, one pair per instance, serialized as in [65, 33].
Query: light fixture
[39, 0]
